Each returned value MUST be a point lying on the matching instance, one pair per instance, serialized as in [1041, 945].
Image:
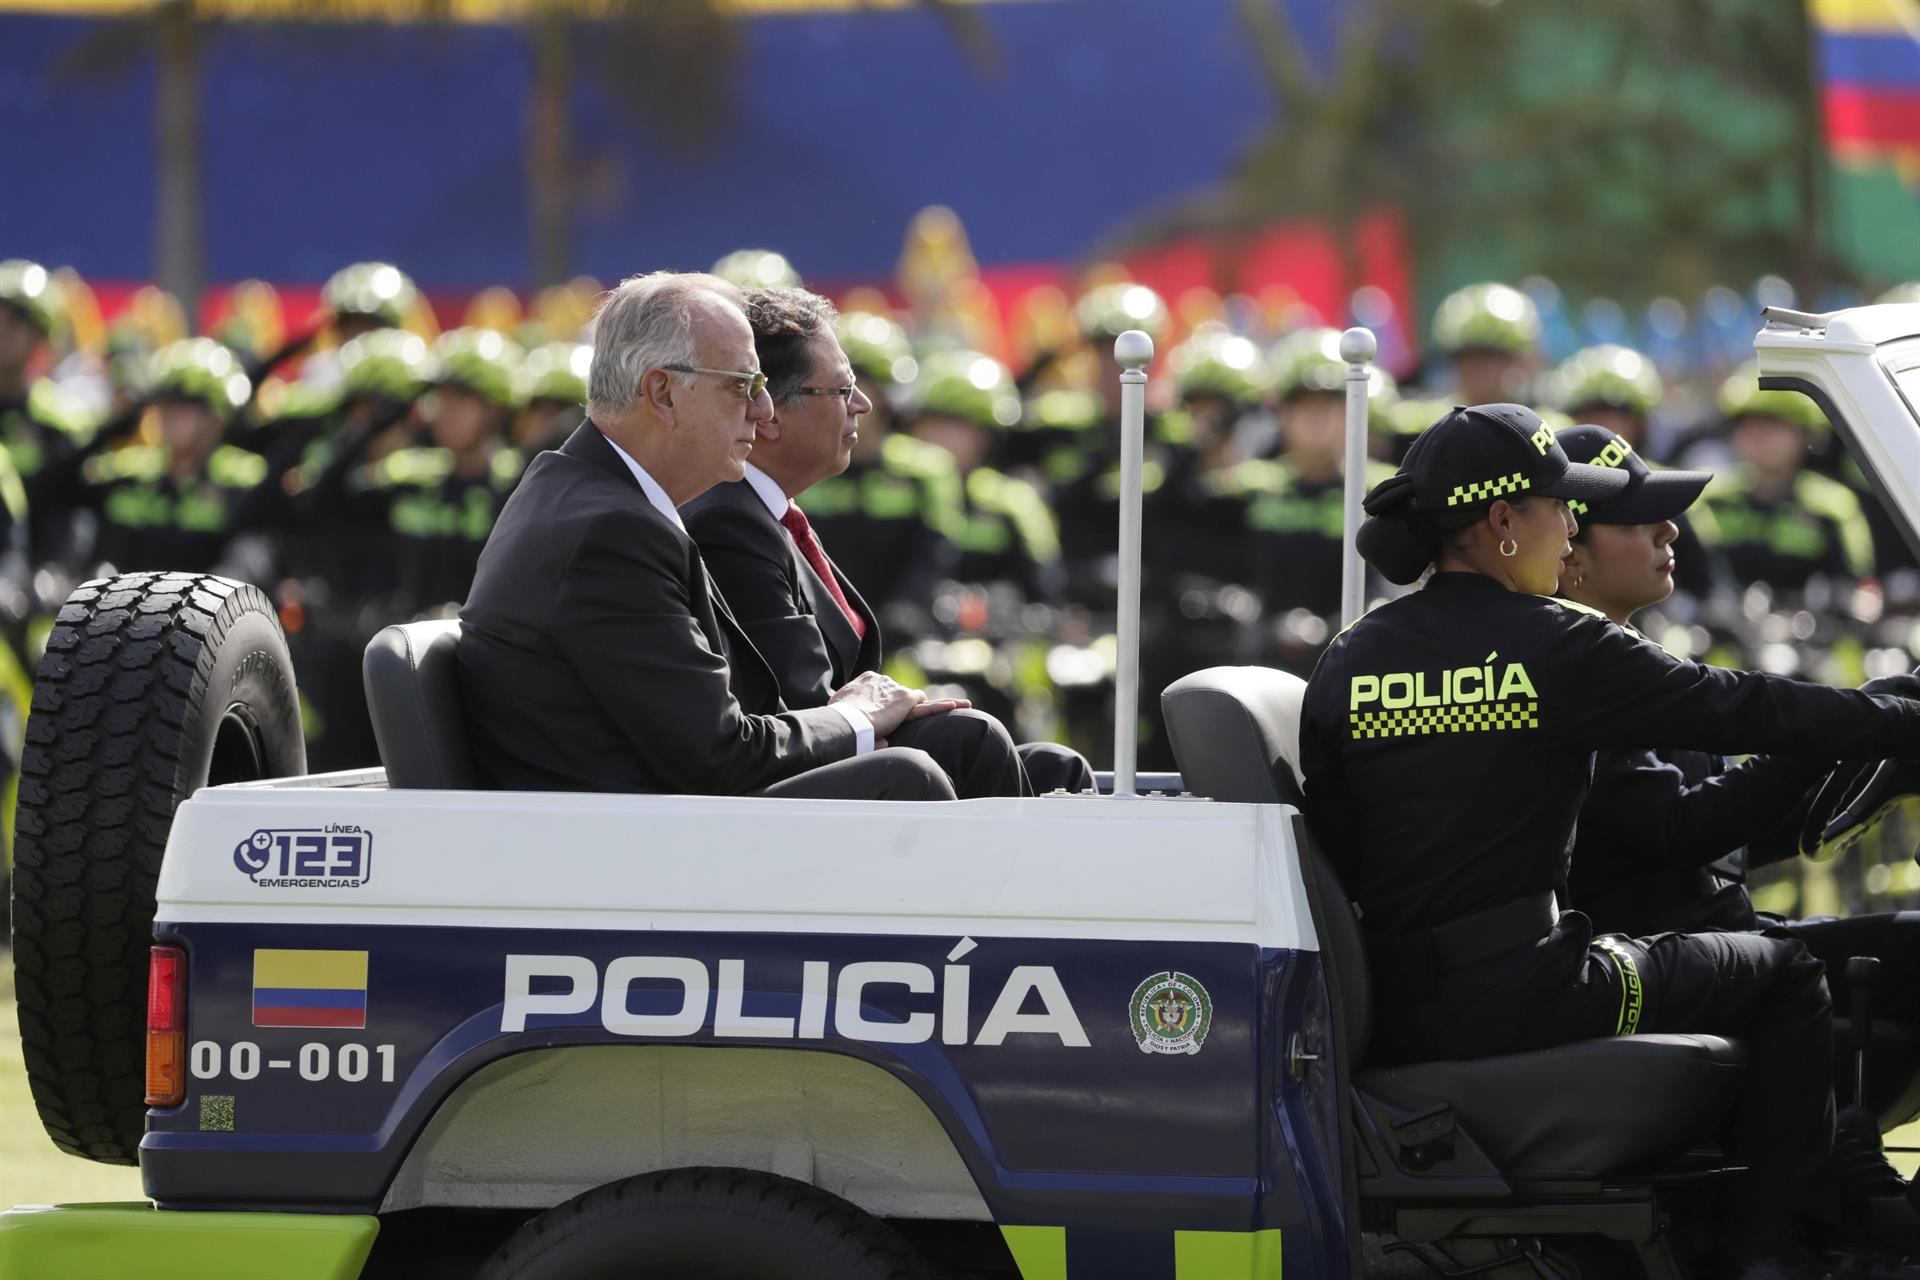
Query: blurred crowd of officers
[354, 468]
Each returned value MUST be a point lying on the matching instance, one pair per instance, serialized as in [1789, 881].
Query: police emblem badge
[1171, 1013]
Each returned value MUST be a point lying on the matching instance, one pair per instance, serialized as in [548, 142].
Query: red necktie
[796, 522]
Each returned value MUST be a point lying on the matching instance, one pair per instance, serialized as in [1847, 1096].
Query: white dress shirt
[762, 485]
[648, 485]
[770, 492]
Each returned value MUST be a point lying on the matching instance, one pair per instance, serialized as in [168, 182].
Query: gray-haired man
[596, 654]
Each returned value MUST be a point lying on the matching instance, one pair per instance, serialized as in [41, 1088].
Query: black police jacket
[1655, 820]
[1448, 739]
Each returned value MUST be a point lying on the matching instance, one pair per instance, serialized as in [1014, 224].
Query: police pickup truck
[382, 1023]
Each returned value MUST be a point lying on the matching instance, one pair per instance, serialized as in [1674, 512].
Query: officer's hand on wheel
[1905, 685]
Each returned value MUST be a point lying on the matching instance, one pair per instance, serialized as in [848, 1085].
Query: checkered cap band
[1485, 490]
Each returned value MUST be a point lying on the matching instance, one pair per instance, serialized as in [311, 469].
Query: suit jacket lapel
[867, 654]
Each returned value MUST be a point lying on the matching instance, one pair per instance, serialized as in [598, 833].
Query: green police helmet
[758, 269]
[1901, 293]
[1111, 309]
[877, 348]
[1308, 363]
[1220, 364]
[201, 370]
[1487, 317]
[556, 371]
[376, 290]
[482, 361]
[1742, 397]
[970, 386]
[390, 364]
[31, 288]
[1618, 377]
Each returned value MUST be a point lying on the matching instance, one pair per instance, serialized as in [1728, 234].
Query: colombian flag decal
[310, 989]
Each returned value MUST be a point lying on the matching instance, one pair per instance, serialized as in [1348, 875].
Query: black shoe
[1860, 1169]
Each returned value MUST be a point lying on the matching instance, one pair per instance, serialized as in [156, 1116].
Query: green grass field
[32, 1169]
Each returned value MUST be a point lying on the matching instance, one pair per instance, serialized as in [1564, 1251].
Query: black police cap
[1650, 496]
[1483, 452]
[1470, 458]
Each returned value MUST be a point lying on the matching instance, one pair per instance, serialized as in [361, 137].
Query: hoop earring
[1509, 548]
[1582, 578]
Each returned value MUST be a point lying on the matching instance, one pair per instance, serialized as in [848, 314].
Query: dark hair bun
[1399, 543]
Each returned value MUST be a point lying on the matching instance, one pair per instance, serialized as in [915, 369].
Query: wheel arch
[536, 1128]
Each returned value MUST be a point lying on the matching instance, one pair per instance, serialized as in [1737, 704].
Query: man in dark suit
[596, 654]
[800, 610]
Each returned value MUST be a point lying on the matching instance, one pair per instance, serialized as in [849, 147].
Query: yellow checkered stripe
[1480, 717]
[1482, 490]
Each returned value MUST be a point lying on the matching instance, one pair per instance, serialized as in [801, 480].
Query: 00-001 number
[242, 1060]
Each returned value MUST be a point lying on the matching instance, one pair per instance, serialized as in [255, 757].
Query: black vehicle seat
[1593, 1107]
[413, 697]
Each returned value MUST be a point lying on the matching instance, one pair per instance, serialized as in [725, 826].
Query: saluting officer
[182, 503]
[1086, 498]
[1774, 520]
[38, 426]
[1447, 742]
[1617, 388]
[1293, 507]
[342, 571]
[553, 391]
[1490, 335]
[1006, 534]
[440, 501]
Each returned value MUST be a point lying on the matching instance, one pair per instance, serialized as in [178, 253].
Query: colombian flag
[1869, 54]
[310, 989]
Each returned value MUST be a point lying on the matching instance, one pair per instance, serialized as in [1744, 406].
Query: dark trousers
[891, 773]
[1891, 937]
[971, 748]
[1770, 993]
[1052, 767]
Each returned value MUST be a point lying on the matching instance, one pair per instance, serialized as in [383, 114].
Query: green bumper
[137, 1242]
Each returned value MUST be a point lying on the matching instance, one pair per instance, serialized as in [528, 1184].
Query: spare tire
[153, 685]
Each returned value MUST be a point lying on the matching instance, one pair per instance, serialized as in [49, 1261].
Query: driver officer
[1657, 819]
[1447, 742]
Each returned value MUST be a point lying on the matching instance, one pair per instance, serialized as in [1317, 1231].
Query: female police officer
[1656, 819]
[1447, 741]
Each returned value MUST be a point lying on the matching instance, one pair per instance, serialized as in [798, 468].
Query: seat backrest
[413, 696]
[1236, 733]
[1236, 737]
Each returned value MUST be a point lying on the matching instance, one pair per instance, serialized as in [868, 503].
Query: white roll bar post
[1357, 348]
[1134, 350]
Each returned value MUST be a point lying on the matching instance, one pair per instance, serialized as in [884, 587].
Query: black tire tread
[860, 1244]
[127, 660]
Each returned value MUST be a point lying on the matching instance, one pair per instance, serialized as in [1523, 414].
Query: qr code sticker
[216, 1113]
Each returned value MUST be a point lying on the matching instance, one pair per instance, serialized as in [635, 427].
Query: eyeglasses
[750, 385]
[845, 393]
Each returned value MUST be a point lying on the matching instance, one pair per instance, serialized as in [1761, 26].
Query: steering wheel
[1852, 798]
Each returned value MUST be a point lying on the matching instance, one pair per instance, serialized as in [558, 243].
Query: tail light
[167, 1027]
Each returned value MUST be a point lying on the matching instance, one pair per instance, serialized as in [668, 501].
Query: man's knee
[1053, 767]
[908, 773]
[983, 731]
